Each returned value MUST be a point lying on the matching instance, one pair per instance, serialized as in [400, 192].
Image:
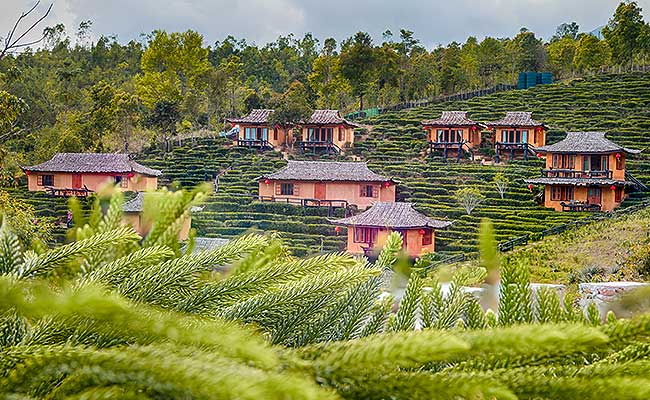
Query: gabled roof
[135, 205]
[328, 117]
[585, 142]
[326, 171]
[516, 118]
[452, 118]
[392, 215]
[202, 244]
[256, 116]
[118, 163]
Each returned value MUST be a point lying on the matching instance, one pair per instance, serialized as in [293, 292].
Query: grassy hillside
[616, 249]
[619, 104]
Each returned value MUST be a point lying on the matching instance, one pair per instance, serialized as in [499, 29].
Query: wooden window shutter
[375, 191]
[296, 189]
[362, 189]
[39, 180]
[278, 188]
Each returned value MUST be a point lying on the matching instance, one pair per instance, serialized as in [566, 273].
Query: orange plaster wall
[348, 135]
[349, 191]
[473, 138]
[93, 181]
[413, 242]
[617, 174]
[530, 137]
[580, 193]
[285, 136]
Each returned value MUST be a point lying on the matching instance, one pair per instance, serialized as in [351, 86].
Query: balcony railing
[254, 143]
[314, 146]
[444, 147]
[576, 174]
[513, 147]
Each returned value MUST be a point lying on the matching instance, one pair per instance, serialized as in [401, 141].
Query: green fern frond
[10, 251]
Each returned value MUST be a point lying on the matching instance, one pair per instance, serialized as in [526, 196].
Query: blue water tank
[521, 82]
[547, 78]
[531, 79]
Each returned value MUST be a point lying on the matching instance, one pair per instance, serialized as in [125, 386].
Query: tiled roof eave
[578, 182]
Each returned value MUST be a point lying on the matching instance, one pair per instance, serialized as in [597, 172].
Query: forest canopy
[107, 95]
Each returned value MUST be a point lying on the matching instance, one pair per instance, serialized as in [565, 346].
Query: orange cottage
[452, 134]
[517, 135]
[368, 231]
[326, 131]
[133, 215]
[82, 173]
[327, 183]
[584, 172]
[255, 131]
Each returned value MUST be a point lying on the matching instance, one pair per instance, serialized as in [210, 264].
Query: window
[618, 194]
[427, 238]
[604, 163]
[450, 135]
[369, 191]
[265, 133]
[620, 163]
[45, 180]
[275, 134]
[248, 134]
[286, 189]
[524, 136]
[341, 134]
[564, 161]
[365, 235]
[561, 193]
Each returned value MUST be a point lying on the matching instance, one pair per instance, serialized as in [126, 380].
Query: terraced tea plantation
[396, 147]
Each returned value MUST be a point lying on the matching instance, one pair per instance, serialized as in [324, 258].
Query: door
[320, 191]
[76, 181]
[594, 195]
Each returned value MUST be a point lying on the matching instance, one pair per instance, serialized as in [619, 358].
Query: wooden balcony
[254, 144]
[576, 174]
[579, 206]
[446, 147]
[318, 146]
[68, 192]
[514, 148]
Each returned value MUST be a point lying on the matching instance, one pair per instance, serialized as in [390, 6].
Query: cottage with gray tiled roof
[326, 131]
[517, 135]
[255, 131]
[453, 134]
[82, 173]
[328, 183]
[133, 214]
[368, 231]
[585, 171]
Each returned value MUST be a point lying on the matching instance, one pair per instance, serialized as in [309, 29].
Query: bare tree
[16, 37]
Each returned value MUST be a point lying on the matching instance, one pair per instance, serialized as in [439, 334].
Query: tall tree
[172, 67]
[326, 78]
[624, 32]
[561, 54]
[528, 51]
[358, 64]
[591, 53]
[566, 30]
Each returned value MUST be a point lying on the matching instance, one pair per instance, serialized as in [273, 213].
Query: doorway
[594, 195]
[320, 191]
[76, 181]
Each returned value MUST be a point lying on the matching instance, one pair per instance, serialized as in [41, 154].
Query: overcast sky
[434, 22]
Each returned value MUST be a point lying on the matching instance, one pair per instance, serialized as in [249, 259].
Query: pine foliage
[113, 315]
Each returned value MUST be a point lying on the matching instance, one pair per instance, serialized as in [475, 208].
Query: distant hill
[619, 104]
